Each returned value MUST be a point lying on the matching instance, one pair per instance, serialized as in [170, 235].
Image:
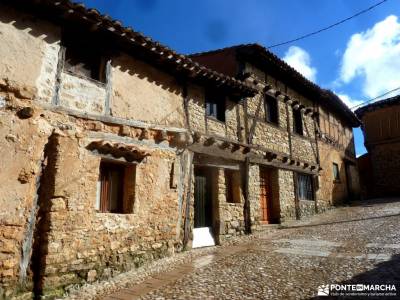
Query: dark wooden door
[265, 195]
[202, 202]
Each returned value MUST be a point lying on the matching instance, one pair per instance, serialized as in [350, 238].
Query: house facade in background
[380, 167]
[117, 150]
[297, 117]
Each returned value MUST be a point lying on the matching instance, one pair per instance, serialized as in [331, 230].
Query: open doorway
[203, 233]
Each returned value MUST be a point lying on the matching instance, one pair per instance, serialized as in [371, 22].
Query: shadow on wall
[366, 175]
[346, 189]
[41, 233]
[26, 24]
[147, 72]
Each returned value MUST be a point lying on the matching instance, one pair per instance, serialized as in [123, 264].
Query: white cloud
[300, 60]
[374, 56]
[349, 101]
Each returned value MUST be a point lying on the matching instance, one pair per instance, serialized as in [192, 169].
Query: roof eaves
[180, 62]
[378, 104]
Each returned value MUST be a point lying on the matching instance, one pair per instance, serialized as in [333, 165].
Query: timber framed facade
[380, 167]
[116, 157]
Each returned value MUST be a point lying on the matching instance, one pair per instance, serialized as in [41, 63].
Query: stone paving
[357, 244]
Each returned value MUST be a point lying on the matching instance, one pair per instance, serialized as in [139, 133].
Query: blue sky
[358, 60]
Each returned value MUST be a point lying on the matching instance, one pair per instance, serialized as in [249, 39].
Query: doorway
[269, 205]
[203, 208]
[348, 181]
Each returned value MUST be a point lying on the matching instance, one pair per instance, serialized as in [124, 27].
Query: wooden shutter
[105, 189]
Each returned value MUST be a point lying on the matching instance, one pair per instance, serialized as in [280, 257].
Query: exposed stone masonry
[58, 128]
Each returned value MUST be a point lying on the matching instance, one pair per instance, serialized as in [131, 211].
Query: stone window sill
[109, 214]
[234, 203]
[98, 83]
[215, 120]
[272, 124]
[302, 136]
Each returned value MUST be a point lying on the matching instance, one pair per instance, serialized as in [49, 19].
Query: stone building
[116, 150]
[299, 120]
[381, 165]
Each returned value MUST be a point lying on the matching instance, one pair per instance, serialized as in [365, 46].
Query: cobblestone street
[358, 244]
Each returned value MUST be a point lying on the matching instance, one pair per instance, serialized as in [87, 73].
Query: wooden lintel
[261, 161]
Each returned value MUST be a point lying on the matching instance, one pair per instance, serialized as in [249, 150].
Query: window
[271, 109]
[82, 57]
[115, 188]
[305, 190]
[215, 105]
[297, 122]
[232, 185]
[336, 175]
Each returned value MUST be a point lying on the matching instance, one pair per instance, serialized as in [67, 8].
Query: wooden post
[107, 104]
[60, 68]
[188, 203]
[296, 197]
[246, 209]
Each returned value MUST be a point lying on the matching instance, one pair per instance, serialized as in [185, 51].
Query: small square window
[115, 188]
[297, 122]
[215, 105]
[271, 110]
[336, 175]
[233, 186]
[82, 57]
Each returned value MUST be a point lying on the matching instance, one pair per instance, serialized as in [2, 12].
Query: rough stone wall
[286, 195]
[306, 208]
[234, 120]
[196, 108]
[232, 128]
[386, 168]
[270, 136]
[230, 214]
[304, 147]
[331, 192]
[77, 244]
[82, 94]
[21, 151]
[157, 98]
[215, 127]
[86, 245]
[254, 196]
[28, 66]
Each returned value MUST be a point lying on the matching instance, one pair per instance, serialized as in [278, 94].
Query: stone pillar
[286, 195]
[254, 195]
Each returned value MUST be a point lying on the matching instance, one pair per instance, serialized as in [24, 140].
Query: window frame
[336, 172]
[215, 107]
[297, 122]
[126, 190]
[308, 190]
[82, 57]
[233, 191]
[271, 108]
